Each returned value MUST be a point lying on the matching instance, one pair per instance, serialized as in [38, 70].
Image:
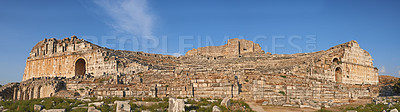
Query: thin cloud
[382, 70]
[177, 54]
[399, 72]
[130, 17]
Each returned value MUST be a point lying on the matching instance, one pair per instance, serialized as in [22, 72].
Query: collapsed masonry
[73, 67]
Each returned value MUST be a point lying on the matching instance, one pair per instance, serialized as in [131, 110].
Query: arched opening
[338, 75]
[21, 95]
[80, 67]
[32, 95]
[335, 60]
[38, 91]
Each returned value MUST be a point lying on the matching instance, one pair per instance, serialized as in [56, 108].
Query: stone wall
[59, 58]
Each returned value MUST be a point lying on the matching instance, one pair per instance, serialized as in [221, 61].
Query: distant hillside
[388, 80]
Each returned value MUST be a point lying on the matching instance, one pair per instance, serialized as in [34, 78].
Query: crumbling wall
[358, 65]
[234, 48]
[38, 88]
[58, 58]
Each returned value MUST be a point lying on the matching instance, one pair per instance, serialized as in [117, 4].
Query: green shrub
[281, 92]
[323, 110]
[105, 108]
[396, 87]
[110, 100]
[48, 103]
[283, 76]
[80, 110]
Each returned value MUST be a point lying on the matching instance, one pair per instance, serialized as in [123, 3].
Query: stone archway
[80, 67]
[335, 60]
[338, 75]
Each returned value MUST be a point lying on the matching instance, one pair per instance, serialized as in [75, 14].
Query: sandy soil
[259, 108]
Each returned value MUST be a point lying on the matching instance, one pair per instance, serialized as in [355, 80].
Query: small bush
[48, 103]
[81, 110]
[396, 87]
[283, 76]
[323, 110]
[105, 108]
[281, 92]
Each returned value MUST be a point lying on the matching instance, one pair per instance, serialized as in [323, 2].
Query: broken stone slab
[81, 105]
[226, 102]
[141, 103]
[351, 111]
[305, 106]
[264, 103]
[97, 104]
[73, 108]
[176, 105]
[53, 110]
[212, 101]
[316, 107]
[287, 105]
[204, 106]
[122, 106]
[93, 109]
[216, 109]
[38, 107]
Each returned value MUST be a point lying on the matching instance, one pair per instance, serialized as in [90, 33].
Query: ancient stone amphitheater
[73, 67]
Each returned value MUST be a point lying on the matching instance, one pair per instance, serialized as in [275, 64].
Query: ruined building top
[234, 48]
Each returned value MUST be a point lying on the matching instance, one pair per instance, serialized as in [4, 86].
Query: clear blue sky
[374, 24]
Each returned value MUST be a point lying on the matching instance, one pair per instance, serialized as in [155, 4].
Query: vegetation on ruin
[371, 107]
[396, 87]
[48, 103]
[281, 92]
[203, 105]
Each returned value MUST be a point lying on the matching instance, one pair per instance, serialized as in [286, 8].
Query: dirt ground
[353, 104]
[259, 108]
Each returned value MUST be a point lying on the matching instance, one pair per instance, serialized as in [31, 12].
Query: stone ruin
[73, 67]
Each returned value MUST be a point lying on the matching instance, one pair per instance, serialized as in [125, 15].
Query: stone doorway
[80, 67]
[338, 75]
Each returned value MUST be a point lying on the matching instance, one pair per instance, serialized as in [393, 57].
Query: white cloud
[177, 54]
[130, 17]
[399, 72]
[382, 70]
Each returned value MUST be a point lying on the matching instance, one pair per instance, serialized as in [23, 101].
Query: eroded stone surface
[93, 109]
[38, 107]
[122, 106]
[176, 105]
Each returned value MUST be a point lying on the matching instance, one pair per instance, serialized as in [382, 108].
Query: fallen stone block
[216, 109]
[176, 105]
[38, 107]
[122, 106]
